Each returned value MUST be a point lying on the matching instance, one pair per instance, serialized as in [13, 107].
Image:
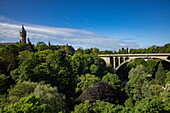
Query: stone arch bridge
[117, 60]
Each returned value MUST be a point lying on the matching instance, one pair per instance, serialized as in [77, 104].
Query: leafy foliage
[97, 107]
[137, 78]
[21, 89]
[160, 75]
[167, 77]
[50, 97]
[154, 90]
[112, 79]
[3, 83]
[86, 81]
[41, 46]
[150, 105]
[28, 104]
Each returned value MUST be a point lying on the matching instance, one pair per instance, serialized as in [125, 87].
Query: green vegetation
[152, 49]
[50, 79]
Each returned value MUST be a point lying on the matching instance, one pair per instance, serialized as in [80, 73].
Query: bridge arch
[116, 69]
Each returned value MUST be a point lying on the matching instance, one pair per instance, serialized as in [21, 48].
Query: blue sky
[108, 24]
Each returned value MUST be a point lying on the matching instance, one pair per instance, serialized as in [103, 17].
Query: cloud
[9, 32]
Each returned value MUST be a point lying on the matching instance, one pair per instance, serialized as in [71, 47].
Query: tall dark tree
[31, 46]
[160, 74]
[101, 91]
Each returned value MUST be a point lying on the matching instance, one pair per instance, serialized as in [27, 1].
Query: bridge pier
[114, 62]
[107, 60]
[124, 59]
[118, 61]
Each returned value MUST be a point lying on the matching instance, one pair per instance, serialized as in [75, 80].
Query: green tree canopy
[28, 104]
[149, 105]
[50, 97]
[21, 89]
[40, 46]
[112, 79]
[98, 107]
[86, 81]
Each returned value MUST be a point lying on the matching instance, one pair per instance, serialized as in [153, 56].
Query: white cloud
[9, 32]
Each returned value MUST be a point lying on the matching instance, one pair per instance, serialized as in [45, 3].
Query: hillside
[51, 78]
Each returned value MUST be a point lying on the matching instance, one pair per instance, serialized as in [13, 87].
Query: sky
[104, 24]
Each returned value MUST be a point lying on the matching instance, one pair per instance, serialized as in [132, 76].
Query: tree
[23, 55]
[2, 63]
[94, 69]
[149, 105]
[95, 50]
[52, 67]
[86, 81]
[22, 46]
[112, 79]
[129, 103]
[101, 91]
[81, 63]
[151, 66]
[26, 69]
[28, 104]
[9, 57]
[136, 62]
[54, 101]
[98, 107]
[154, 90]
[40, 46]
[68, 50]
[88, 63]
[85, 107]
[3, 83]
[167, 48]
[167, 77]
[137, 79]
[31, 46]
[21, 89]
[79, 51]
[160, 75]
[49, 96]
[59, 72]
[165, 96]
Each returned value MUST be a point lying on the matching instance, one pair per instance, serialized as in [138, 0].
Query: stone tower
[23, 35]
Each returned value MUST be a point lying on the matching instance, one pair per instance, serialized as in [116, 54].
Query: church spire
[23, 34]
[22, 29]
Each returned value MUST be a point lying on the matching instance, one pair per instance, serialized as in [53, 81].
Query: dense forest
[50, 79]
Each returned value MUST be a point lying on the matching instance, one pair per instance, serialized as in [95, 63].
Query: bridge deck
[133, 55]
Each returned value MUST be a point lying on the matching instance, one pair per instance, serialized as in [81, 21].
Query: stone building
[23, 35]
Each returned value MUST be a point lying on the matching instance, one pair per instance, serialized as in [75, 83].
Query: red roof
[8, 43]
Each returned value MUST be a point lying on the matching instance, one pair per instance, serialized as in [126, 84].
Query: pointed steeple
[23, 34]
[49, 44]
[22, 29]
